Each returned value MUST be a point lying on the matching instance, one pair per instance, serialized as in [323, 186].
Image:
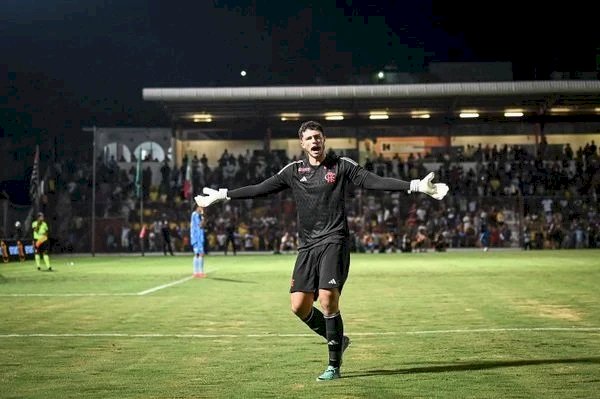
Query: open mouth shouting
[313, 144]
[315, 150]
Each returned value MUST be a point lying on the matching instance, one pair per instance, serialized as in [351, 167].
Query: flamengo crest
[330, 177]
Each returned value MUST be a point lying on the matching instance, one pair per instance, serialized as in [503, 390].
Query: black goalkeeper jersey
[319, 192]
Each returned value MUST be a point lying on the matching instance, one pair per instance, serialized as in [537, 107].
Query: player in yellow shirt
[41, 243]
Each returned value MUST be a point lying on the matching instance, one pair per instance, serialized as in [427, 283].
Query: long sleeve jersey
[196, 230]
[319, 192]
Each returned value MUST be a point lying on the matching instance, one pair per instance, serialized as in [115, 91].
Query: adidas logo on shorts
[332, 281]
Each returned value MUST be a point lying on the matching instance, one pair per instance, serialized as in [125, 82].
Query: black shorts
[43, 248]
[325, 266]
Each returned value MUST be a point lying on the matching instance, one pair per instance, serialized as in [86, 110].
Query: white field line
[61, 295]
[266, 335]
[91, 294]
[160, 287]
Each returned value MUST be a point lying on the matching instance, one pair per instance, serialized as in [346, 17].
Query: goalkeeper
[318, 182]
[197, 241]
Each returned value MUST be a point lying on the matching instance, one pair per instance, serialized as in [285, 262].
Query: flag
[187, 183]
[138, 176]
[34, 190]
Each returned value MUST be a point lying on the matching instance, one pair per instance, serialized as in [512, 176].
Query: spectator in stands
[152, 236]
[505, 235]
[390, 242]
[421, 240]
[439, 242]
[230, 236]
[319, 183]
[288, 242]
[165, 172]
[165, 230]
[111, 239]
[526, 238]
[484, 236]
[406, 243]
[249, 239]
[126, 242]
[369, 242]
[568, 152]
[142, 236]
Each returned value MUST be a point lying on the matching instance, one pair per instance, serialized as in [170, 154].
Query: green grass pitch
[508, 324]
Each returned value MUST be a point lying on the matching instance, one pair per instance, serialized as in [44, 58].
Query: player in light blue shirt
[197, 241]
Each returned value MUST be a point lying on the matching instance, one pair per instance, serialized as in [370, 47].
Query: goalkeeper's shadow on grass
[470, 366]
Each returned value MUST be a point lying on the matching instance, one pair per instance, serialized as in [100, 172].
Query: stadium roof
[549, 100]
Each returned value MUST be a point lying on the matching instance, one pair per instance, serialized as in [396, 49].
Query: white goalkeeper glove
[211, 196]
[436, 190]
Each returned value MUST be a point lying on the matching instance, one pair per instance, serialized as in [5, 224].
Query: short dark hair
[310, 125]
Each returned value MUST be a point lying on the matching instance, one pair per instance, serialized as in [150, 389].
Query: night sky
[104, 52]
[73, 63]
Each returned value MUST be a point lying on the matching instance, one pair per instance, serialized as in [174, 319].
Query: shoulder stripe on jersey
[352, 161]
[288, 165]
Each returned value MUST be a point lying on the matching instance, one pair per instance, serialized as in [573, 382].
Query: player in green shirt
[40, 238]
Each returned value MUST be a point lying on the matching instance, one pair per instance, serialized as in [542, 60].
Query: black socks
[316, 322]
[332, 329]
[335, 338]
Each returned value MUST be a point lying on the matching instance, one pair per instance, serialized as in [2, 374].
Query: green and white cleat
[330, 374]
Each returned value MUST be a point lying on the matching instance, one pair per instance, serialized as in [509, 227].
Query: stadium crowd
[542, 197]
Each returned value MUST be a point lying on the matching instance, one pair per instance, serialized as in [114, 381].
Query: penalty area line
[160, 287]
[91, 294]
[68, 295]
[266, 335]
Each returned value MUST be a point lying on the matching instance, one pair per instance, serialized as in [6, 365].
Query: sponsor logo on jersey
[304, 170]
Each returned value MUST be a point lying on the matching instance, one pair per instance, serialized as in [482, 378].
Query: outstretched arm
[372, 181]
[375, 182]
[272, 185]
